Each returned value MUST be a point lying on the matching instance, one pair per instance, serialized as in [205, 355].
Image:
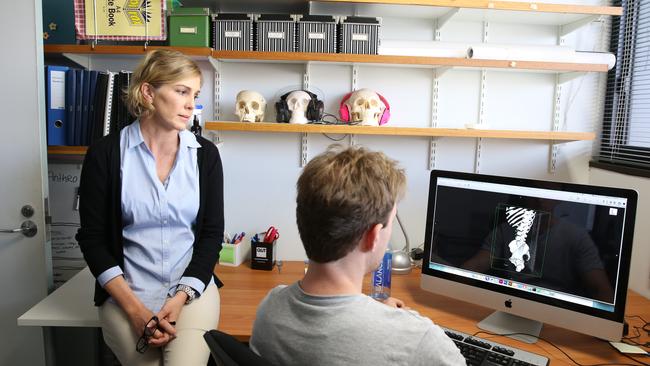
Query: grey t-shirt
[294, 328]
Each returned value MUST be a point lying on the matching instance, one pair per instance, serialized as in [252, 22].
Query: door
[23, 274]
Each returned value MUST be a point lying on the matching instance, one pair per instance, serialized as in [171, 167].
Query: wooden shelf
[407, 60]
[67, 150]
[526, 6]
[559, 136]
[339, 58]
[121, 50]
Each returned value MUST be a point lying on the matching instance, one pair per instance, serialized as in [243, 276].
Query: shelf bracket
[568, 76]
[306, 76]
[482, 101]
[477, 159]
[355, 77]
[568, 28]
[434, 116]
[216, 108]
[83, 60]
[554, 148]
[304, 144]
[441, 21]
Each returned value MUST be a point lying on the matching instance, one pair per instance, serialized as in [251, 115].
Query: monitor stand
[504, 323]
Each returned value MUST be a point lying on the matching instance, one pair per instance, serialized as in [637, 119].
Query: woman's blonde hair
[158, 68]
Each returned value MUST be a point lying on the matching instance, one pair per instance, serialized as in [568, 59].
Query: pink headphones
[345, 112]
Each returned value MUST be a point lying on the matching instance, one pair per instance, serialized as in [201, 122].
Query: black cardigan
[100, 212]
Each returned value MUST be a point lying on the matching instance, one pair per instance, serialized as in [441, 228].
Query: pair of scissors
[272, 234]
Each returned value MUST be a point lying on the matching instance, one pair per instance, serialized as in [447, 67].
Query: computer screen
[536, 251]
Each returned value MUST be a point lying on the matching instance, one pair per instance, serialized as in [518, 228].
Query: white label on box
[260, 252]
[360, 37]
[232, 34]
[188, 30]
[57, 90]
[275, 35]
[316, 35]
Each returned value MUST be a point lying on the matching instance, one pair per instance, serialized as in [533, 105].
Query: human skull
[250, 106]
[365, 107]
[298, 102]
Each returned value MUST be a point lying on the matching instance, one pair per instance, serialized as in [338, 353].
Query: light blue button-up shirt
[158, 219]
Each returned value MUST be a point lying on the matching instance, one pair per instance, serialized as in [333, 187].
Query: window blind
[625, 136]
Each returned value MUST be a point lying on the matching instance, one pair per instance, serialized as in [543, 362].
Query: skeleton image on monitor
[518, 243]
[521, 219]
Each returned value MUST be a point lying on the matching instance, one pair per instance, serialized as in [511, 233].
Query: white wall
[260, 170]
[640, 269]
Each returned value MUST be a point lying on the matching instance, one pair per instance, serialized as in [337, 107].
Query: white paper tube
[520, 53]
[423, 48]
[596, 58]
[539, 53]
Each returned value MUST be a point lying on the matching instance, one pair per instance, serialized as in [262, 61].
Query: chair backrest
[226, 350]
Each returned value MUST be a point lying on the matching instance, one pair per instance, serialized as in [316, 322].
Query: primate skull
[298, 102]
[250, 106]
[365, 107]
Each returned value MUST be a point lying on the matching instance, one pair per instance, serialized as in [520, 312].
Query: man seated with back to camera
[346, 204]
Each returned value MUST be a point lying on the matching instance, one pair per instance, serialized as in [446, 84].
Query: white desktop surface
[71, 305]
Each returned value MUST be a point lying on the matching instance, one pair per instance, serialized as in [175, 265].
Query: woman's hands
[141, 318]
[171, 311]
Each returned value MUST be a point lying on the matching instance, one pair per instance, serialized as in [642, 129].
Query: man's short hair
[342, 193]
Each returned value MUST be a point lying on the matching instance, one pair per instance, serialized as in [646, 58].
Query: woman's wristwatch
[191, 293]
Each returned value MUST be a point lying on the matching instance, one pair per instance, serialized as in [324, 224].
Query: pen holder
[263, 255]
[233, 254]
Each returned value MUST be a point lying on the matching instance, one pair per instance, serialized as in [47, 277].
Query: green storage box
[189, 27]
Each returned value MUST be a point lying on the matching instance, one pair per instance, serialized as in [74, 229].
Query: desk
[71, 306]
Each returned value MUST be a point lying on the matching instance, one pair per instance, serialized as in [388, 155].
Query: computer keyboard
[481, 352]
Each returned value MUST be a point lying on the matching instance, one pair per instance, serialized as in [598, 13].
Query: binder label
[57, 89]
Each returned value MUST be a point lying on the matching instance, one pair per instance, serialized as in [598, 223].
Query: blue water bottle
[380, 278]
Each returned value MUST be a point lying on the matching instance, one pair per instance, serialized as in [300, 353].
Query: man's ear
[370, 239]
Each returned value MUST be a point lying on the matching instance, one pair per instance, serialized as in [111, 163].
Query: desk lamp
[401, 263]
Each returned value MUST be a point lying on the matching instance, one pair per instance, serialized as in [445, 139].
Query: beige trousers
[187, 349]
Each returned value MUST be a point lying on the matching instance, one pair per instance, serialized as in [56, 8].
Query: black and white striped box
[317, 33]
[276, 33]
[359, 35]
[231, 31]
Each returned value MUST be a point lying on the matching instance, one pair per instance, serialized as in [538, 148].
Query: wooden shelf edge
[559, 136]
[67, 150]
[408, 60]
[121, 49]
[336, 58]
[500, 5]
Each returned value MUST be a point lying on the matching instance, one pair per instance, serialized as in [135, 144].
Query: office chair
[226, 350]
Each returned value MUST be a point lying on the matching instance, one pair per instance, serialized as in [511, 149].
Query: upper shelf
[559, 136]
[336, 58]
[523, 12]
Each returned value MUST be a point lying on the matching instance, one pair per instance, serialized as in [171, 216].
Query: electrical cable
[561, 350]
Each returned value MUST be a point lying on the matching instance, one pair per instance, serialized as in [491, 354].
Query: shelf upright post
[216, 108]
[355, 86]
[437, 73]
[560, 79]
[304, 141]
[481, 112]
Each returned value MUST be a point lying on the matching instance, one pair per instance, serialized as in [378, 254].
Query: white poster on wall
[67, 259]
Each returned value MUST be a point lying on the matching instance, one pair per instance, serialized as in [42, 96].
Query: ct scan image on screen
[534, 244]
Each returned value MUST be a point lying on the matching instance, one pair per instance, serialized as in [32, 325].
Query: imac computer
[535, 251]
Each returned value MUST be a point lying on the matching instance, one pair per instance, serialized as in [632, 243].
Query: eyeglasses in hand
[149, 329]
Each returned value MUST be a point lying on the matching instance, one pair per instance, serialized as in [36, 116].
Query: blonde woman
[151, 210]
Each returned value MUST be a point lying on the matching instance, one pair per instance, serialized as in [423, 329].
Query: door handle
[27, 228]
